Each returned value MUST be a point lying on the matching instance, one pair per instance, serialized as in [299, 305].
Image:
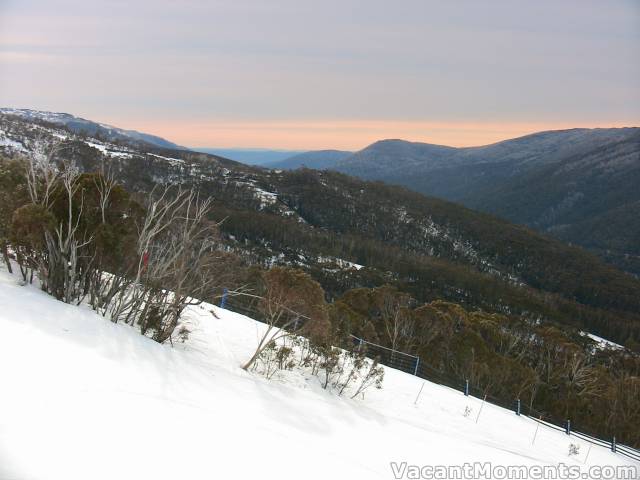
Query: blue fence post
[223, 300]
[466, 388]
[518, 407]
[568, 427]
[613, 444]
[415, 370]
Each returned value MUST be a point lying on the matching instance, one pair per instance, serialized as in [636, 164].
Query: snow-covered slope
[83, 398]
[78, 125]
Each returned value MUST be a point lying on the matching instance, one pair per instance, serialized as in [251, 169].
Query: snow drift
[83, 398]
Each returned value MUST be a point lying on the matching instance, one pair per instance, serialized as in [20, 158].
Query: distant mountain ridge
[350, 233]
[385, 156]
[578, 185]
[317, 159]
[251, 156]
[81, 125]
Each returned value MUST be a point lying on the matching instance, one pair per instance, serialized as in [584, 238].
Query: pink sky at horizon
[340, 134]
[336, 74]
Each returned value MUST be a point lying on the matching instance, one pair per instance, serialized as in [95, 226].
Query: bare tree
[292, 304]
[129, 293]
[395, 314]
[41, 171]
[580, 379]
[66, 243]
[178, 263]
[105, 182]
[58, 262]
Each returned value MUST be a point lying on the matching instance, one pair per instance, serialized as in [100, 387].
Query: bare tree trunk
[261, 346]
[5, 256]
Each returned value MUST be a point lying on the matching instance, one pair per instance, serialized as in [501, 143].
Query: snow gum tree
[140, 262]
[292, 304]
[13, 194]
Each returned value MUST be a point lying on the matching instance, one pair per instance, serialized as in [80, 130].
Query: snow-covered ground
[83, 398]
[603, 343]
[11, 144]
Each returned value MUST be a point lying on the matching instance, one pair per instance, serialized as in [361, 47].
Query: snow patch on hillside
[170, 160]
[11, 144]
[340, 262]
[603, 343]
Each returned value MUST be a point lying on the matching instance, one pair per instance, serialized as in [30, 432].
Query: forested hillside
[324, 256]
[431, 248]
[578, 185]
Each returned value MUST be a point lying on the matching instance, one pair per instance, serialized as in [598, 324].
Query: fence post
[613, 444]
[223, 301]
[481, 405]
[536, 432]
[466, 388]
[415, 370]
[421, 387]
[518, 407]
[568, 427]
[588, 452]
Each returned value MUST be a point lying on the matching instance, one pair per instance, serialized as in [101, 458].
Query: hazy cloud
[144, 63]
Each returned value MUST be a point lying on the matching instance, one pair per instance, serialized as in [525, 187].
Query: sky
[299, 74]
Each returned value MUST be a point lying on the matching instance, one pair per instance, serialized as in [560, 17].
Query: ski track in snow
[83, 398]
